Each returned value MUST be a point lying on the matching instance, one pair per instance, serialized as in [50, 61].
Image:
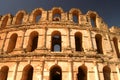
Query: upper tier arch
[5, 20]
[20, 17]
[74, 15]
[37, 15]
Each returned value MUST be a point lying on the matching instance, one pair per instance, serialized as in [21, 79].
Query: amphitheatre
[58, 45]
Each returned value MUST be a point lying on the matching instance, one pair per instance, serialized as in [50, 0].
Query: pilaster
[96, 71]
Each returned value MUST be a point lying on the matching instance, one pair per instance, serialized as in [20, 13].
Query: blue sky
[109, 10]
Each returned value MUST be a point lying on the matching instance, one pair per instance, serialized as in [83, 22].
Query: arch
[12, 42]
[75, 14]
[56, 41]
[4, 72]
[33, 41]
[5, 20]
[20, 16]
[106, 72]
[115, 41]
[55, 72]
[27, 72]
[56, 13]
[98, 39]
[37, 14]
[93, 15]
[78, 41]
[82, 73]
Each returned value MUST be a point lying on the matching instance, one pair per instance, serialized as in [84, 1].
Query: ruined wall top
[74, 16]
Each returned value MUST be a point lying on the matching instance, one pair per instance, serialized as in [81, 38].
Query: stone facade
[58, 45]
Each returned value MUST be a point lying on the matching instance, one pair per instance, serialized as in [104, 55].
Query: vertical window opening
[93, 20]
[27, 73]
[4, 22]
[98, 39]
[56, 41]
[55, 73]
[37, 16]
[75, 18]
[56, 15]
[115, 41]
[82, 73]
[12, 42]
[4, 73]
[78, 41]
[75, 15]
[106, 73]
[19, 18]
[33, 41]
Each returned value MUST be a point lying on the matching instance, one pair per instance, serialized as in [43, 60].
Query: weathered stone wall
[19, 35]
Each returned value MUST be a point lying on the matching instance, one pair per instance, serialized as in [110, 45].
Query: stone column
[23, 39]
[42, 47]
[112, 75]
[68, 48]
[68, 36]
[70, 69]
[96, 71]
[109, 40]
[42, 69]
[91, 41]
[118, 72]
[45, 34]
[15, 71]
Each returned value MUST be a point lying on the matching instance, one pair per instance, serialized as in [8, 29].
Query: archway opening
[75, 16]
[78, 41]
[27, 73]
[106, 73]
[98, 39]
[12, 42]
[82, 73]
[4, 73]
[33, 41]
[56, 41]
[19, 18]
[37, 16]
[55, 73]
[115, 41]
[93, 19]
[56, 15]
[4, 22]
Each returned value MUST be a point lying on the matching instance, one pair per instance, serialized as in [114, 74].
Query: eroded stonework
[58, 45]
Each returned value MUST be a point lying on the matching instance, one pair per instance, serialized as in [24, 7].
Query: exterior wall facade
[54, 44]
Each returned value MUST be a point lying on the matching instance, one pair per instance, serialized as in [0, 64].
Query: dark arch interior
[115, 41]
[82, 73]
[37, 16]
[27, 73]
[78, 41]
[56, 15]
[12, 42]
[75, 16]
[98, 39]
[33, 41]
[19, 18]
[55, 73]
[4, 22]
[93, 19]
[4, 73]
[56, 41]
[106, 73]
